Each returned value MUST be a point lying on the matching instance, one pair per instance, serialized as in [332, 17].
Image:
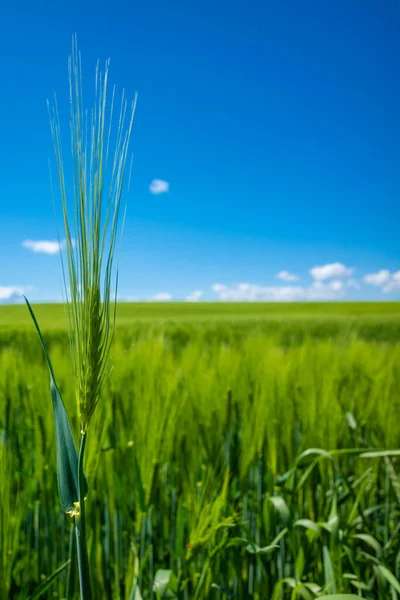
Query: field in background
[209, 455]
[52, 316]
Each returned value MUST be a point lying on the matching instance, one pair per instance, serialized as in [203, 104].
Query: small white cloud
[319, 290]
[330, 271]
[44, 246]
[387, 281]
[394, 283]
[382, 277]
[286, 276]
[161, 297]
[195, 296]
[11, 294]
[218, 288]
[159, 186]
[249, 292]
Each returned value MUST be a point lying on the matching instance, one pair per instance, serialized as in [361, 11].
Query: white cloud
[286, 276]
[382, 277]
[11, 294]
[353, 283]
[161, 297]
[249, 292]
[387, 281]
[336, 285]
[195, 296]
[394, 283]
[330, 271]
[44, 246]
[159, 186]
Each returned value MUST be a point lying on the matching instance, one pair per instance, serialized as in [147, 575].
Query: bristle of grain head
[98, 172]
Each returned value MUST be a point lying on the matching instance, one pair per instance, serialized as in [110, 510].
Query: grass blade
[67, 455]
[48, 582]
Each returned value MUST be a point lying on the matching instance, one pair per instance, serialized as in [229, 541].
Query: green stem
[80, 526]
[69, 592]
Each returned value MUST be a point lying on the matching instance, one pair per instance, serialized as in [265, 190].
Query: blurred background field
[235, 445]
[52, 316]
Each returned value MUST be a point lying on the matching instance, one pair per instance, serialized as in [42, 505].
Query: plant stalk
[69, 593]
[80, 527]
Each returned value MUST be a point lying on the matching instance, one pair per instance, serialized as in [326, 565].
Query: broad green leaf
[308, 524]
[390, 578]
[313, 587]
[332, 525]
[165, 583]
[360, 585]
[301, 591]
[330, 582]
[371, 541]
[67, 455]
[289, 581]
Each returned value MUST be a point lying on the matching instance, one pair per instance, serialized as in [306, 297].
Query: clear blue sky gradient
[277, 125]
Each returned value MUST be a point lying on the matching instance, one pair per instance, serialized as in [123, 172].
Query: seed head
[99, 162]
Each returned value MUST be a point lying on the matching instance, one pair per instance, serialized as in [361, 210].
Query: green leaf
[43, 587]
[254, 549]
[67, 455]
[380, 453]
[371, 541]
[301, 591]
[165, 583]
[352, 423]
[330, 581]
[282, 508]
[300, 564]
[332, 525]
[390, 578]
[314, 452]
[308, 525]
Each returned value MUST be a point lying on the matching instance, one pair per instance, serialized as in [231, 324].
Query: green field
[235, 445]
[52, 316]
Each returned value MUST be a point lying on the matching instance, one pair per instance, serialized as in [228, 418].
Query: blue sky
[276, 126]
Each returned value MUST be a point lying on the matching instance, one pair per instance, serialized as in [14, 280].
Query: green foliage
[223, 455]
[67, 455]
